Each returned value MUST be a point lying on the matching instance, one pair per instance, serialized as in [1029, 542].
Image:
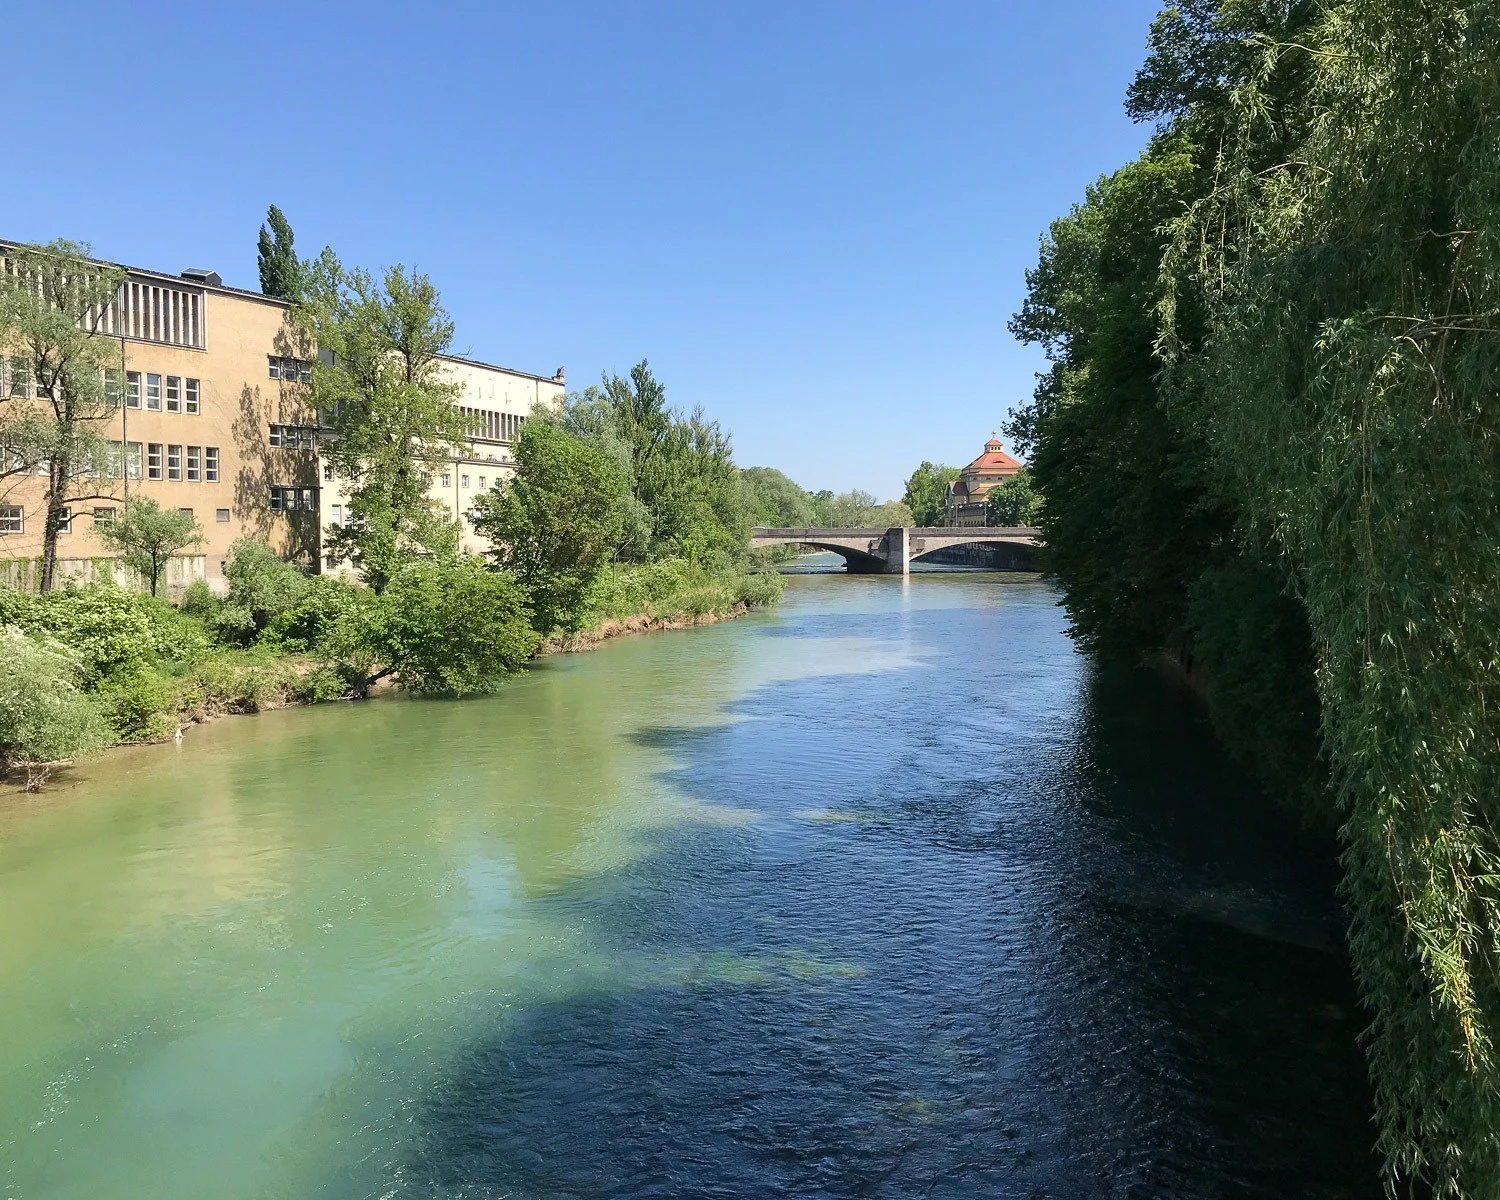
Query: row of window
[292, 370]
[169, 461]
[13, 517]
[497, 426]
[294, 499]
[294, 437]
[154, 392]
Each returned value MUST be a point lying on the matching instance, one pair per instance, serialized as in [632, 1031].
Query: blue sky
[813, 218]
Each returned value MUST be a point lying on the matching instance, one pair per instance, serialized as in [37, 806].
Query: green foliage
[147, 536]
[444, 628]
[927, 493]
[44, 716]
[237, 681]
[394, 416]
[307, 624]
[774, 501]
[262, 587]
[280, 269]
[108, 628]
[1012, 502]
[136, 701]
[557, 523]
[198, 601]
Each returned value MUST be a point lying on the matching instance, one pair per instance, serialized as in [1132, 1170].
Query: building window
[174, 463]
[294, 499]
[190, 396]
[338, 514]
[20, 376]
[481, 483]
[464, 480]
[65, 520]
[153, 392]
[210, 464]
[174, 393]
[133, 460]
[194, 464]
[448, 480]
[328, 472]
[11, 520]
[291, 370]
[221, 515]
[187, 512]
[293, 437]
[104, 516]
[114, 387]
[132, 389]
[153, 460]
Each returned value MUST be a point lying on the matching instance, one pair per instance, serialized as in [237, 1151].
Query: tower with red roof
[965, 501]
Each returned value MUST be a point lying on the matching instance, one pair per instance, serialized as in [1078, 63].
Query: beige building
[966, 494]
[215, 418]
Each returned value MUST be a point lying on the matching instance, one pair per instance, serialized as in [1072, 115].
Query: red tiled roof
[994, 458]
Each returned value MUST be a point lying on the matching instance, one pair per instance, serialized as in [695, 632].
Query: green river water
[880, 894]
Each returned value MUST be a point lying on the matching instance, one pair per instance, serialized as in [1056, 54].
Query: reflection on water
[882, 894]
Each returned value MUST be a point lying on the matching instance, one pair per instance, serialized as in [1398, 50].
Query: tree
[147, 536]
[442, 627]
[280, 269]
[262, 586]
[773, 500]
[927, 493]
[395, 423]
[1012, 502]
[53, 299]
[44, 717]
[556, 524]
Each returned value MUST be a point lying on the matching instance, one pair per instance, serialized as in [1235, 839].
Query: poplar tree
[280, 269]
[52, 301]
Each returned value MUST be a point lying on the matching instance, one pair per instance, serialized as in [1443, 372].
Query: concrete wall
[25, 574]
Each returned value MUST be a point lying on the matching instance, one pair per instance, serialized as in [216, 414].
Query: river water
[881, 894]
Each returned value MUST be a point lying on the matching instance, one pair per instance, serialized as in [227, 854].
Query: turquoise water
[881, 894]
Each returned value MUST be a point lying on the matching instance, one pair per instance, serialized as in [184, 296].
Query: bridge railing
[915, 531]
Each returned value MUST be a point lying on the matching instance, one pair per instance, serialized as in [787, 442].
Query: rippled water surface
[879, 895]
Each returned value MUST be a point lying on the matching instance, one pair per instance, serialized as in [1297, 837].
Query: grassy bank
[104, 666]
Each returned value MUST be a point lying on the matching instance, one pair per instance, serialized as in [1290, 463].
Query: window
[153, 392]
[190, 396]
[174, 393]
[104, 516]
[293, 499]
[132, 389]
[328, 472]
[481, 483]
[465, 480]
[10, 518]
[210, 464]
[153, 460]
[221, 515]
[65, 520]
[20, 380]
[293, 437]
[187, 512]
[448, 480]
[194, 464]
[291, 370]
[174, 463]
[338, 514]
[114, 387]
[133, 460]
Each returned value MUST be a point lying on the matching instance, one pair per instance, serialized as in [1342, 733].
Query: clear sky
[813, 218]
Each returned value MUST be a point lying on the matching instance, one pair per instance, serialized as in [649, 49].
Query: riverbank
[129, 669]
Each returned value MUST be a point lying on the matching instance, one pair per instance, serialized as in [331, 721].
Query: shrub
[198, 600]
[262, 586]
[106, 626]
[758, 589]
[237, 681]
[137, 703]
[307, 624]
[44, 716]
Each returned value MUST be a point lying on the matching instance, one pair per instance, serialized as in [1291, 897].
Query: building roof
[994, 458]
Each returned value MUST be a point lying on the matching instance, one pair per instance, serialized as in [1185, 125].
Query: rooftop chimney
[200, 275]
[559, 377]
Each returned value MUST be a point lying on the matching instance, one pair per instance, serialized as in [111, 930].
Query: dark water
[883, 895]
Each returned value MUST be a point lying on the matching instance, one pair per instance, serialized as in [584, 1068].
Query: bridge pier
[897, 547]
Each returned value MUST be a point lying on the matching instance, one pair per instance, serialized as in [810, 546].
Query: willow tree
[392, 408]
[53, 300]
[1351, 387]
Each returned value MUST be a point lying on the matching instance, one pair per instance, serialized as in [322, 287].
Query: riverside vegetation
[1266, 449]
[620, 508]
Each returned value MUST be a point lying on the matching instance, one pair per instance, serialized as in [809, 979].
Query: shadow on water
[969, 955]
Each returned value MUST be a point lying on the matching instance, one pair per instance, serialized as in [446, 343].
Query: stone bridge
[892, 551]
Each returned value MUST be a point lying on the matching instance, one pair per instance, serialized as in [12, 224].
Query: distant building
[965, 502]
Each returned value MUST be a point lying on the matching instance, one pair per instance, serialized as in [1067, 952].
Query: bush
[106, 626]
[137, 703]
[238, 681]
[447, 628]
[44, 716]
[198, 600]
[759, 589]
[311, 621]
[262, 586]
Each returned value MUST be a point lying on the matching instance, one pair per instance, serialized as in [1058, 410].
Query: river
[884, 893]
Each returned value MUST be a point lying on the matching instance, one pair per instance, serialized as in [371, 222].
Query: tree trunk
[59, 471]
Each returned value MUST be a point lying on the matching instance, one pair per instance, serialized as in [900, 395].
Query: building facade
[964, 504]
[215, 417]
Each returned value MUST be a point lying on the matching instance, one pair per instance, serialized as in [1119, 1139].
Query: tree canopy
[281, 273]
